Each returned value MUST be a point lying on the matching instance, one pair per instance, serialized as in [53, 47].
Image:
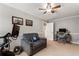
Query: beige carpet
[57, 49]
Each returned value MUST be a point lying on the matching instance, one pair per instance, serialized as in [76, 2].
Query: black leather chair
[32, 43]
[63, 35]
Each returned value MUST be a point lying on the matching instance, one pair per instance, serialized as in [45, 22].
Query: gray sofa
[32, 43]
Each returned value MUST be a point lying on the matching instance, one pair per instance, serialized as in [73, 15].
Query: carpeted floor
[57, 49]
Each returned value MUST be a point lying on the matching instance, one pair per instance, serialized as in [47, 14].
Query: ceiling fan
[50, 8]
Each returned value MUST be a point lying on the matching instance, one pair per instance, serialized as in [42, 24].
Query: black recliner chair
[32, 43]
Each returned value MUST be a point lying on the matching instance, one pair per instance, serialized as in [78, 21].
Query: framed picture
[29, 22]
[17, 20]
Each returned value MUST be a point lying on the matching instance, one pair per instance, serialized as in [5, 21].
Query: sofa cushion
[27, 37]
[32, 37]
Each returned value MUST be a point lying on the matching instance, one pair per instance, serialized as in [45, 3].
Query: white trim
[75, 42]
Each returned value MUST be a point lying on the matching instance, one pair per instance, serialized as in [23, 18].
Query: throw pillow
[34, 39]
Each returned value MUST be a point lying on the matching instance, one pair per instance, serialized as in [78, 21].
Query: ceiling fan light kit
[52, 11]
[48, 10]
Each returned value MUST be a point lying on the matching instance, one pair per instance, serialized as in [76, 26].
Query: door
[49, 31]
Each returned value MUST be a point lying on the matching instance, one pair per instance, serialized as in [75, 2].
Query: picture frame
[29, 22]
[17, 20]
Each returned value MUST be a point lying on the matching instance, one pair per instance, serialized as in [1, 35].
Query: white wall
[6, 14]
[72, 24]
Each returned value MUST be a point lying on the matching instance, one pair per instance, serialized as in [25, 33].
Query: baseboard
[75, 42]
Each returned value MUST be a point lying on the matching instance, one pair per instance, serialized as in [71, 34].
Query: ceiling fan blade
[52, 11]
[45, 12]
[58, 6]
[42, 9]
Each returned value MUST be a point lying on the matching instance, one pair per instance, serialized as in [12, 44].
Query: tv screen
[62, 30]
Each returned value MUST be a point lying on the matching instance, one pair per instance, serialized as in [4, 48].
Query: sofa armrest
[27, 46]
[44, 40]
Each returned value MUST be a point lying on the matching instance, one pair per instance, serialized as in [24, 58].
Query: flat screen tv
[62, 30]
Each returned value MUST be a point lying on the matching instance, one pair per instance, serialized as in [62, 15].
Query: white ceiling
[67, 9]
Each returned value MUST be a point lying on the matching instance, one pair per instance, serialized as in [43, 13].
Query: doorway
[49, 33]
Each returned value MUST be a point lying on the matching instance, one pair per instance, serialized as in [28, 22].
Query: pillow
[34, 39]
